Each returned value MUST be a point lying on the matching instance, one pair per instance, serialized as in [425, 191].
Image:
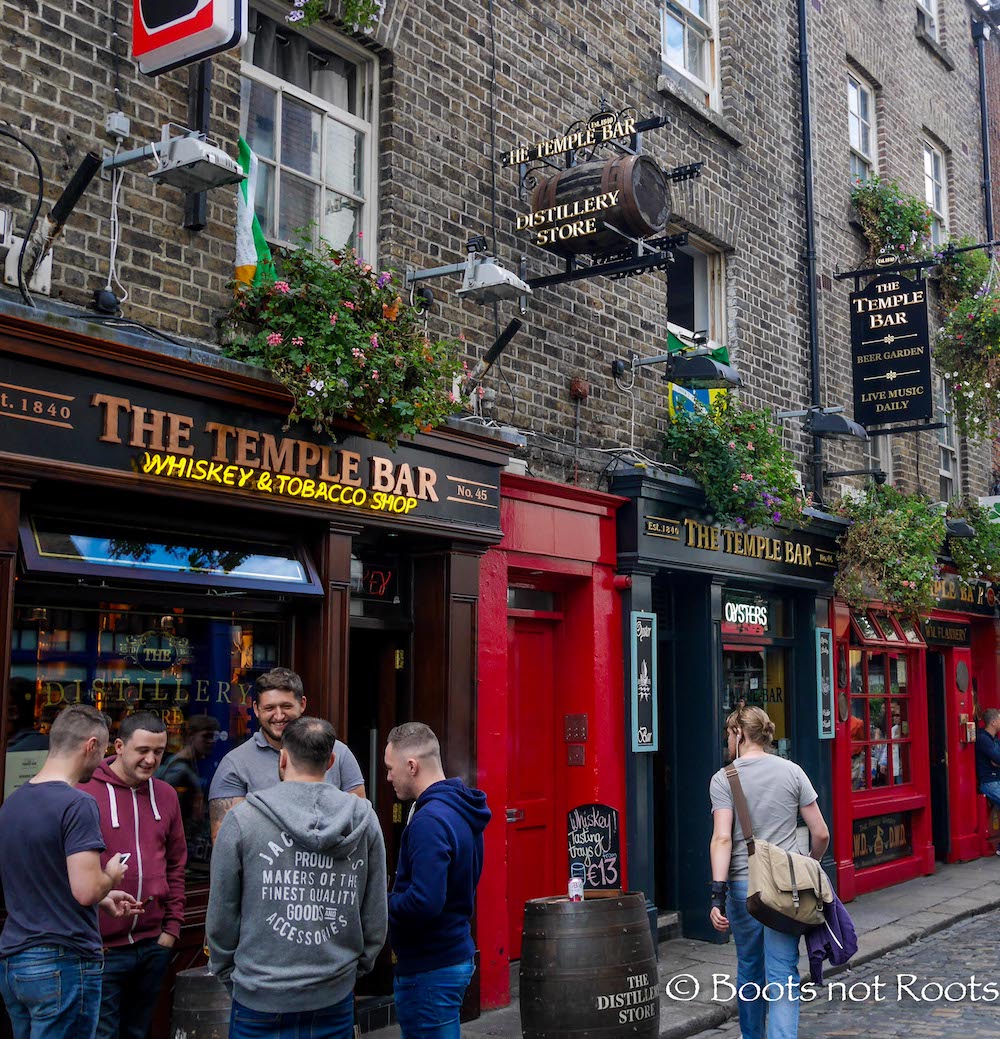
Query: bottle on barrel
[576, 874]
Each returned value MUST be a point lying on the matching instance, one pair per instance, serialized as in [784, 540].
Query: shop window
[537, 599]
[861, 129]
[758, 677]
[689, 30]
[307, 111]
[194, 670]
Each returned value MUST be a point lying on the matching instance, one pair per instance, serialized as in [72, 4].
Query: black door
[937, 746]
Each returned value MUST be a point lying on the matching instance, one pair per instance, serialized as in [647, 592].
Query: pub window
[861, 129]
[880, 455]
[936, 191]
[689, 30]
[944, 407]
[307, 109]
[696, 290]
[927, 17]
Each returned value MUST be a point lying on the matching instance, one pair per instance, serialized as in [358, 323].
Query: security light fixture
[834, 426]
[488, 281]
[187, 161]
[691, 368]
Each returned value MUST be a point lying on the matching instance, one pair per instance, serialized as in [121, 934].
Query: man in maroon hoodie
[139, 815]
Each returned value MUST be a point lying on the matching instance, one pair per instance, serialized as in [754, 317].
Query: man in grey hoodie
[297, 905]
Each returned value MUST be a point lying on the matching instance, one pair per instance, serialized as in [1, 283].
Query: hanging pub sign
[890, 351]
[167, 34]
[644, 706]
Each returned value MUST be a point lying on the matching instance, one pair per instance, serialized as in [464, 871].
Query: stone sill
[934, 47]
[665, 85]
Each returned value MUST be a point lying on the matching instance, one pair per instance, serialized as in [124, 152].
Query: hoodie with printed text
[297, 906]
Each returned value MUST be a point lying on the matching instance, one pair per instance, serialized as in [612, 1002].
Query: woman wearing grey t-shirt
[777, 792]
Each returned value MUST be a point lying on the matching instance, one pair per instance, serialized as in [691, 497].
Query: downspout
[812, 305]
[980, 34]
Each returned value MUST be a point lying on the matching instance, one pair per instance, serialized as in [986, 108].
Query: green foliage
[338, 335]
[890, 550]
[360, 15]
[735, 453]
[891, 220]
[975, 558]
[960, 275]
[967, 354]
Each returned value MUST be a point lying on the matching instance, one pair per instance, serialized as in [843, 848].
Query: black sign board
[952, 593]
[644, 704]
[946, 633]
[148, 436]
[882, 838]
[594, 840]
[891, 353]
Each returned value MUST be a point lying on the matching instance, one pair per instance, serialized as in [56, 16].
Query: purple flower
[383, 279]
[776, 517]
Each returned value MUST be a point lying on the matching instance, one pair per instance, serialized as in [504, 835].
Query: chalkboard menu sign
[595, 841]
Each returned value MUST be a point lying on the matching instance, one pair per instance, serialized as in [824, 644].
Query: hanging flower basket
[890, 550]
[976, 558]
[891, 220]
[959, 275]
[735, 453]
[360, 15]
[338, 335]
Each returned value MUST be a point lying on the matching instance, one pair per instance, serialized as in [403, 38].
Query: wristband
[719, 888]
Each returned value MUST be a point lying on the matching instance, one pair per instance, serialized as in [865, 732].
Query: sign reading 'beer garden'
[891, 351]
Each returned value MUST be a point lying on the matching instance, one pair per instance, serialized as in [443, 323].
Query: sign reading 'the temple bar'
[891, 352]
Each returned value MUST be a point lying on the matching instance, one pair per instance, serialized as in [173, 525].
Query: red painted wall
[560, 538]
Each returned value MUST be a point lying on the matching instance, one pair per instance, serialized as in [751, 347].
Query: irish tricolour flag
[253, 255]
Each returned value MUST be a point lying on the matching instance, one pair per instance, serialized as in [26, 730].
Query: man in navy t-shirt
[50, 868]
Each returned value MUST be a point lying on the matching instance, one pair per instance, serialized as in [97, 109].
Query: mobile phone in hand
[125, 856]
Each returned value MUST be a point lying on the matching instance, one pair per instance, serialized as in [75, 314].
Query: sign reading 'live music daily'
[891, 352]
[112, 426]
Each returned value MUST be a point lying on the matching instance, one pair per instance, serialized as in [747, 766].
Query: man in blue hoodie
[434, 895]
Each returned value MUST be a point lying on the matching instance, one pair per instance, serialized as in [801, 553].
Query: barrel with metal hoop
[641, 208]
[201, 1006]
[588, 969]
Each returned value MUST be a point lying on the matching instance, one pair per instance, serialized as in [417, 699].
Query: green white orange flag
[253, 255]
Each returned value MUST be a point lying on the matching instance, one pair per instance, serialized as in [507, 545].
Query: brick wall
[554, 62]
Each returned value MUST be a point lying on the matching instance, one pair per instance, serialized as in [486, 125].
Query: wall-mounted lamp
[486, 279]
[827, 423]
[692, 368]
[188, 161]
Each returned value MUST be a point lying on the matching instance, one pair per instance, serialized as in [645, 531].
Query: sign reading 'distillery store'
[71, 417]
[891, 352]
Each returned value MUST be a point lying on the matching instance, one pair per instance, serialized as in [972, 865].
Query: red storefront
[908, 694]
[550, 716]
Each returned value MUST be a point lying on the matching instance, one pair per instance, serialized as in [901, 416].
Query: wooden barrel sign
[629, 192]
[201, 1006]
[588, 969]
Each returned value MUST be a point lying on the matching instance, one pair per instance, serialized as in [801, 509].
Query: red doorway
[532, 745]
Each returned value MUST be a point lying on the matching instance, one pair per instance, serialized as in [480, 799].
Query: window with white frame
[927, 17]
[947, 440]
[880, 455]
[861, 127]
[689, 30]
[695, 290]
[308, 112]
[936, 191]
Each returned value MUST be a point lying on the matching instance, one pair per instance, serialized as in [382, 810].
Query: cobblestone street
[945, 985]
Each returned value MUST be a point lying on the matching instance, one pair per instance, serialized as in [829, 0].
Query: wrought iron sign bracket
[620, 268]
[688, 172]
[917, 265]
[916, 427]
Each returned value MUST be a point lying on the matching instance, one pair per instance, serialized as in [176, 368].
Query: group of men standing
[298, 904]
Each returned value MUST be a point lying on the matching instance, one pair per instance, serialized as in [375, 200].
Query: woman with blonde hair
[777, 792]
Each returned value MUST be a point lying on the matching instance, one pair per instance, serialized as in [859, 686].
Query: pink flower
[736, 486]
[375, 374]
[333, 320]
[374, 340]
[452, 398]
[297, 340]
[749, 445]
[274, 339]
[348, 304]
[282, 286]
[732, 445]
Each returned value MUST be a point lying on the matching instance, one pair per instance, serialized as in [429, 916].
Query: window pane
[697, 47]
[259, 102]
[860, 170]
[901, 763]
[673, 40]
[300, 129]
[865, 626]
[299, 208]
[897, 676]
[699, 7]
[864, 97]
[854, 126]
[263, 201]
[887, 629]
[344, 158]
[876, 675]
[340, 221]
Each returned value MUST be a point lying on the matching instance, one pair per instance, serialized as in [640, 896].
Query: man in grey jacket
[297, 905]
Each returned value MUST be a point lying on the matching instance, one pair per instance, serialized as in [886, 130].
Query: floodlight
[834, 426]
[192, 164]
[488, 281]
[701, 372]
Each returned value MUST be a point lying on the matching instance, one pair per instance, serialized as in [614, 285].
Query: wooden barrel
[201, 1006]
[642, 208]
[588, 969]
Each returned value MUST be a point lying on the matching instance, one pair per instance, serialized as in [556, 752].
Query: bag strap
[791, 873]
[742, 811]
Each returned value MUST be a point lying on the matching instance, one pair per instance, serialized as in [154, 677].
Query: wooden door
[534, 743]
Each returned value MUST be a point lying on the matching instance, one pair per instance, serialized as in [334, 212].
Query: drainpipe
[810, 253]
[980, 34]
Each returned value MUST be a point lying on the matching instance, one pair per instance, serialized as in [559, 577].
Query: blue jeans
[427, 1004]
[51, 992]
[333, 1022]
[133, 977]
[767, 962]
[992, 790]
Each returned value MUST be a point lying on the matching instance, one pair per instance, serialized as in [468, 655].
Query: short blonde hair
[755, 725]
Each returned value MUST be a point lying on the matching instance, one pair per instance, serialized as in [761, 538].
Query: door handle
[515, 815]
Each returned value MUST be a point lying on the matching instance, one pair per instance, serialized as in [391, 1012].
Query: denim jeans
[133, 977]
[333, 1022]
[992, 790]
[51, 992]
[427, 1004]
[767, 962]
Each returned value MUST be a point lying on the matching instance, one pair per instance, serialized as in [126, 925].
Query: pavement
[885, 921]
